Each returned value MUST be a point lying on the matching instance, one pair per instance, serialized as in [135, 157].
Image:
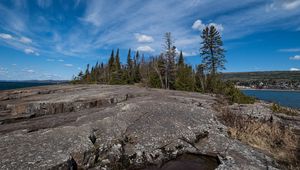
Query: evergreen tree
[163, 71]
[144, 71]
[156, 72]
[80, 75]
[200, 78]
[87, 76]
[116, 73]
[212, 51]
[111, 62]
[129, 68]
[136, 65]
[93, 76]
[184, 76]
[118, 64]
[170, 55]
[79, 78]
[180, 59]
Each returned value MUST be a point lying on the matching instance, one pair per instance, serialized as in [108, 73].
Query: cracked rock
[117, 127]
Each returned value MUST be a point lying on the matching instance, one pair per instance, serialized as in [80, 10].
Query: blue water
[16, 85]
[284, 98]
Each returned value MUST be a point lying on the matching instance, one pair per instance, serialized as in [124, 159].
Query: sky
[55, 39]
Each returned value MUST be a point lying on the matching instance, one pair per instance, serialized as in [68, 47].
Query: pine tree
[157, 76]
[184, 76]
[111, 62]
[129, 68]
[200, 78]
[118, 64]
[116, 74]
[180, 59]
[87, 76]
[156, 72]
[93, 77]
[212, 51]
[144, 71]
[170, 55]
[80, 76]
[136, 65]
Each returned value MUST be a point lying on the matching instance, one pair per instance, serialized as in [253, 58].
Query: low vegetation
[231, 93]
[276, 108]
[271, 137]
[169, 70]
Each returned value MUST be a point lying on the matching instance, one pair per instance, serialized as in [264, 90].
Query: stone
[125, 127]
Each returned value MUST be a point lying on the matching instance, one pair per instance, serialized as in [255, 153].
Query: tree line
[169, 69]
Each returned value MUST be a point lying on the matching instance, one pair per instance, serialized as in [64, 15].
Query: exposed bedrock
[118, 127]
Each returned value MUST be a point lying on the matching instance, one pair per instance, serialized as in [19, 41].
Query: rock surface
[118, 127]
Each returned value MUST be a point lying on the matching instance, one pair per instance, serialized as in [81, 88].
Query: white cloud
[61, 60]
[296, 57]
[31, 51]
[188, 54]
[3, 71]
[6, 36]
[84, 39]
[49, 59]
[25, 40]
[199, 25]
[283, 4]
[143, 38]
[29, 71]
[219, 27]
[68, 65]
[290, 50]
[290, 5]
[294, 69]
[93, 19]
[145, 48]
[14, 64]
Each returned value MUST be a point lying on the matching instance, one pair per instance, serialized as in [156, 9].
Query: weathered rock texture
[119, 127]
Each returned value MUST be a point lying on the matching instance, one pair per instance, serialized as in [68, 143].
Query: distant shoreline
[283, 90]
[22, 85]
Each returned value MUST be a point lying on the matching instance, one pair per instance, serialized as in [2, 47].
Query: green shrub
[236, 96]
[233, 94]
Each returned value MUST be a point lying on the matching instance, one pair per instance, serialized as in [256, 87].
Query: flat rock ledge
[117, 127]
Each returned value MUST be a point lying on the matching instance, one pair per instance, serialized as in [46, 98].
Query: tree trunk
[159, 75]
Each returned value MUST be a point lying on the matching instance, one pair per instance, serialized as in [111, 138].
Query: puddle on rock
[190, 162]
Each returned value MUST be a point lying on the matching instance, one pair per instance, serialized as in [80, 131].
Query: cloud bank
[296, 57]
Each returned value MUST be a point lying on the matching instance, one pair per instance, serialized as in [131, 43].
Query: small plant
[276, 108]
[263, 134]
[236, 96]
[233, 94]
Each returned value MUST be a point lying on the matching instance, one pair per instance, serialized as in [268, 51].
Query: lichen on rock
[120, 127]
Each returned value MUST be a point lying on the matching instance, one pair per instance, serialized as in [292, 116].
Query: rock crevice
[119, 127]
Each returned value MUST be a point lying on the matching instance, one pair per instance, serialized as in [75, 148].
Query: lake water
[16, 85]
[284, 98]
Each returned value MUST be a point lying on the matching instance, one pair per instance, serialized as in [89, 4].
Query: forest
[169, 69]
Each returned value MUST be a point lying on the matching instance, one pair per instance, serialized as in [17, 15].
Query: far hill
[279, 76]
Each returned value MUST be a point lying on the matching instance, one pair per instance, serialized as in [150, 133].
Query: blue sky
[54, 39]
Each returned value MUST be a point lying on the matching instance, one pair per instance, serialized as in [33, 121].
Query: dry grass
[279, 109]
[273, 138]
